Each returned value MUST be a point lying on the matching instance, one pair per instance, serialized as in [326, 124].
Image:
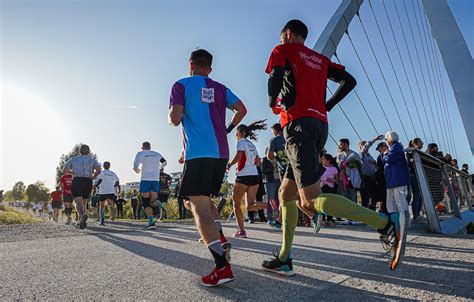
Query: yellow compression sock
[339, 206]
[289, 219]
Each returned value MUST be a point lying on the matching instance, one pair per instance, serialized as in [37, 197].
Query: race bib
[207, 95]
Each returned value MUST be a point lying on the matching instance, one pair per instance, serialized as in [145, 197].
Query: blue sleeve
[394, 155]
[231, 98]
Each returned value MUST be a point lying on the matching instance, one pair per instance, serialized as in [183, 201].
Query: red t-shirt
[56, 195]
[66, 181]
[306, 77]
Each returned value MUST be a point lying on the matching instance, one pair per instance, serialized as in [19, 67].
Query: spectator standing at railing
[397, 177]
[465, 168]
[369, 165]
[380, 178]
[416, 201]
[434, 151]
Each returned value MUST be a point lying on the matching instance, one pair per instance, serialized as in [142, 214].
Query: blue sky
[100, 72]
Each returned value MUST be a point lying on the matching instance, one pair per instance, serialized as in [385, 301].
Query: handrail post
[433, 221]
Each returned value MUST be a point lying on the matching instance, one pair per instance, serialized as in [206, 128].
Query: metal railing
[445, 190]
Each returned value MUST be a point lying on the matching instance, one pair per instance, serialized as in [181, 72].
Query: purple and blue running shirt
[204, 128]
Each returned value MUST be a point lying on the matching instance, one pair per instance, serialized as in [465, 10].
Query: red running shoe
[218, 276]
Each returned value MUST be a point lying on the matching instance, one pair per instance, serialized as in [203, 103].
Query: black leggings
[120, 211]
[136, 212]
[182, 208]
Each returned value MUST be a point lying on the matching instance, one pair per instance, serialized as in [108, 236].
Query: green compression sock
[339, 206]
[290, 219]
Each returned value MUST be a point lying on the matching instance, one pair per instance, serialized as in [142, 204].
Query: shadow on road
[370, 266]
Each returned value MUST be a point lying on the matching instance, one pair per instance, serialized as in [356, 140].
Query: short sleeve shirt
[82, 165]
[107, 185]
[150, 162]
[56, 195]
[165, 181]
[304, 82]
[277, 145]
[246, 165]
[66, 182]
[204, 126]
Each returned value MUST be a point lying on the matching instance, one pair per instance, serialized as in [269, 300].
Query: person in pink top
[328, 182]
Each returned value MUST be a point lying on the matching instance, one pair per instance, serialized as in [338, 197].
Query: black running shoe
[279, 267]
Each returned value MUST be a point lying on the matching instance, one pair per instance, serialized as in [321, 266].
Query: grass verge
[9, 215]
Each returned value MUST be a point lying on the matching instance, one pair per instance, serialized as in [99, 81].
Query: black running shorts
[305, 138]
[248, 180]
[104, 197]
[56, 204]
[81, 187]
[203, 176]
[67, 198]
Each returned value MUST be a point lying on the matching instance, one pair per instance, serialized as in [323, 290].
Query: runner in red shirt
[56, 202]
[65, 183]
[299, 75]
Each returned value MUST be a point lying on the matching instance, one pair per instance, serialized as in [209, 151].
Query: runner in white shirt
[107, 182]
[50, 211]
[247, 181]
[151, 163]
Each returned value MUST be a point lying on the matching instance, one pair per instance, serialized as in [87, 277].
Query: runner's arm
[136, 163]
[346, 81]
[163, 162]
[239, 112]
[275, 84]
[271, 151]
[236, 159]
[97, 172]
[175, 115]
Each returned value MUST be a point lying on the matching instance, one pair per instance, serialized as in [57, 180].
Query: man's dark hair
[106, 165]
[465, 166]
[297, 27]
[277, 127]
[344, 141]
[85, 150]
[201, 58]
[57, 188]
[146, 146]
[432, 146]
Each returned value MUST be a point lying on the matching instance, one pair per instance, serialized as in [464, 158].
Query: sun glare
[32, 131]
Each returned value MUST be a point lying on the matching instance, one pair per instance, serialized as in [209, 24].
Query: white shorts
[397, 199]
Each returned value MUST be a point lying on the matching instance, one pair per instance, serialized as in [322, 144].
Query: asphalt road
[123, 262]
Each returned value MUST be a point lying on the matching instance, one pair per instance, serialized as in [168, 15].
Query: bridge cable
[403, 66]
[443, 90]
[440, 79]
[433, 74]
[393, 69]
[347, 117]
[357, 95]
[366, 74]
[412, 66]
[332, 138]
[441, 132]
[385, 81]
